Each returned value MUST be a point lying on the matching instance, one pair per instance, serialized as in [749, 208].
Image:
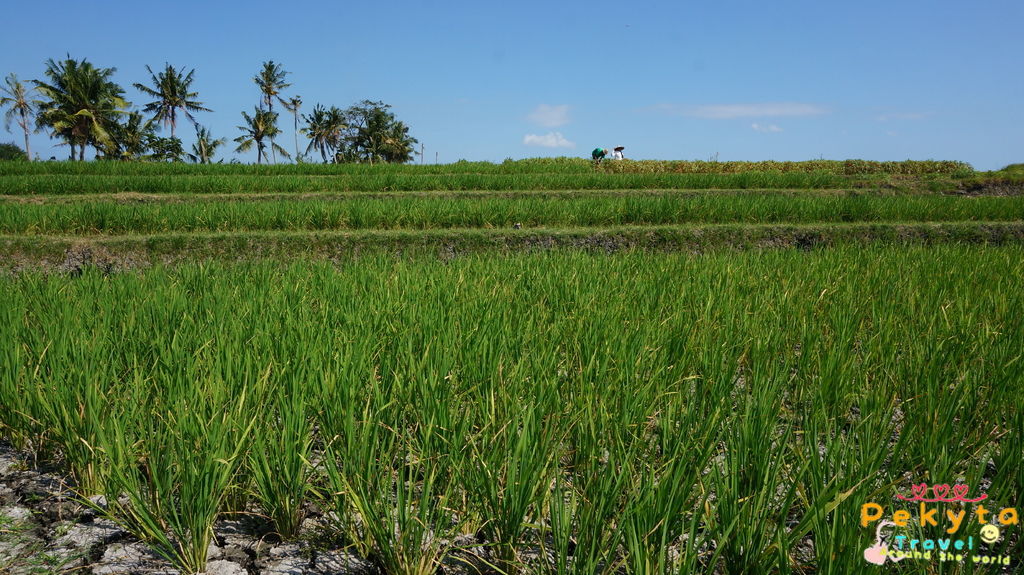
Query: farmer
[617, 152]
[598, 154]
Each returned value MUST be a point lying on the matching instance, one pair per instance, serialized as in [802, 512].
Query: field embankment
[138, 213]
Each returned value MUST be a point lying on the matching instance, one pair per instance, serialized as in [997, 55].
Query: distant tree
[130, 139]
[21, 108]
[292, 105]
[171, 90]
[136, 139]
[325, 128]
[205, 147]
[262, 125]
[82, 103]
[271, 81]
[12, 153]
[165, 149]
[375, 135]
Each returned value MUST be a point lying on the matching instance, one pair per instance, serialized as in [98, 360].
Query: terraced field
[127, 215]
[529, 367]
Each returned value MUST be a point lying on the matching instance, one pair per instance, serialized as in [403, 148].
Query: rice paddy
[445, 212]
[677, 402]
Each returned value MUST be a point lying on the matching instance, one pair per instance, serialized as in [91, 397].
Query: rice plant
[444, 212]
[169, 475]
[572, 412]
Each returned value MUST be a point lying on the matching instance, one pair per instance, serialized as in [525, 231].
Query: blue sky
[732, 80]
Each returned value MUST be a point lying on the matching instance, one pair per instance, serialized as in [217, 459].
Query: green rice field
[630, 369]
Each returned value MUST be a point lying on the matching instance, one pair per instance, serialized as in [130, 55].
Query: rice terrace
[541, 366]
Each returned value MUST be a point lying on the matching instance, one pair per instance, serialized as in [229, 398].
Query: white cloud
[549, 140]
[549, 116]
[766, 128]
[733, 111]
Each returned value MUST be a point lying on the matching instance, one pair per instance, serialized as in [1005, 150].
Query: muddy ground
[45, 528]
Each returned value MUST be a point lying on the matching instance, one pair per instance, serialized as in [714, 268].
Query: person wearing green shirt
[598, 154]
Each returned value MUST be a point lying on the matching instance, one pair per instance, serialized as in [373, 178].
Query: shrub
[11, 152]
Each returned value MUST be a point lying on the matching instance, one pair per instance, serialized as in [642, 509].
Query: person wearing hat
[617, 153]
[598, 154]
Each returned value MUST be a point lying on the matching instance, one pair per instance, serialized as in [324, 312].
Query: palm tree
[21, 107]
[324, 128]
[378, 135]
[205, 146]
[271, 81]
[171, 90]
[258, 127]
[396, 145]
[130, 140]
[82, 103]
[293, 105]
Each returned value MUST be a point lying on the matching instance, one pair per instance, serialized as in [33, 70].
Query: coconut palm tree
[271, 81]
[292, 105]
[136, 139]
[262, 125]
[397, 146]
[325, 128]
[205, 147]
[21, 108]
[171, 90]
[378, 135]
[82, 103]
[130, 140]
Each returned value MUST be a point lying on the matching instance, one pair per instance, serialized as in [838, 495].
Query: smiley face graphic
[989, 533]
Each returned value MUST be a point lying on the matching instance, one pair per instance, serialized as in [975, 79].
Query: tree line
[80, 105]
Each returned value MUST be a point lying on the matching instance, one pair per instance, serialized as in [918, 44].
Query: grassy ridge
[528, 166]
[111, 253]
[579, 403]
[424, 212]
[384, 180]
[844, 167]
[21, 178]
[159, 205]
